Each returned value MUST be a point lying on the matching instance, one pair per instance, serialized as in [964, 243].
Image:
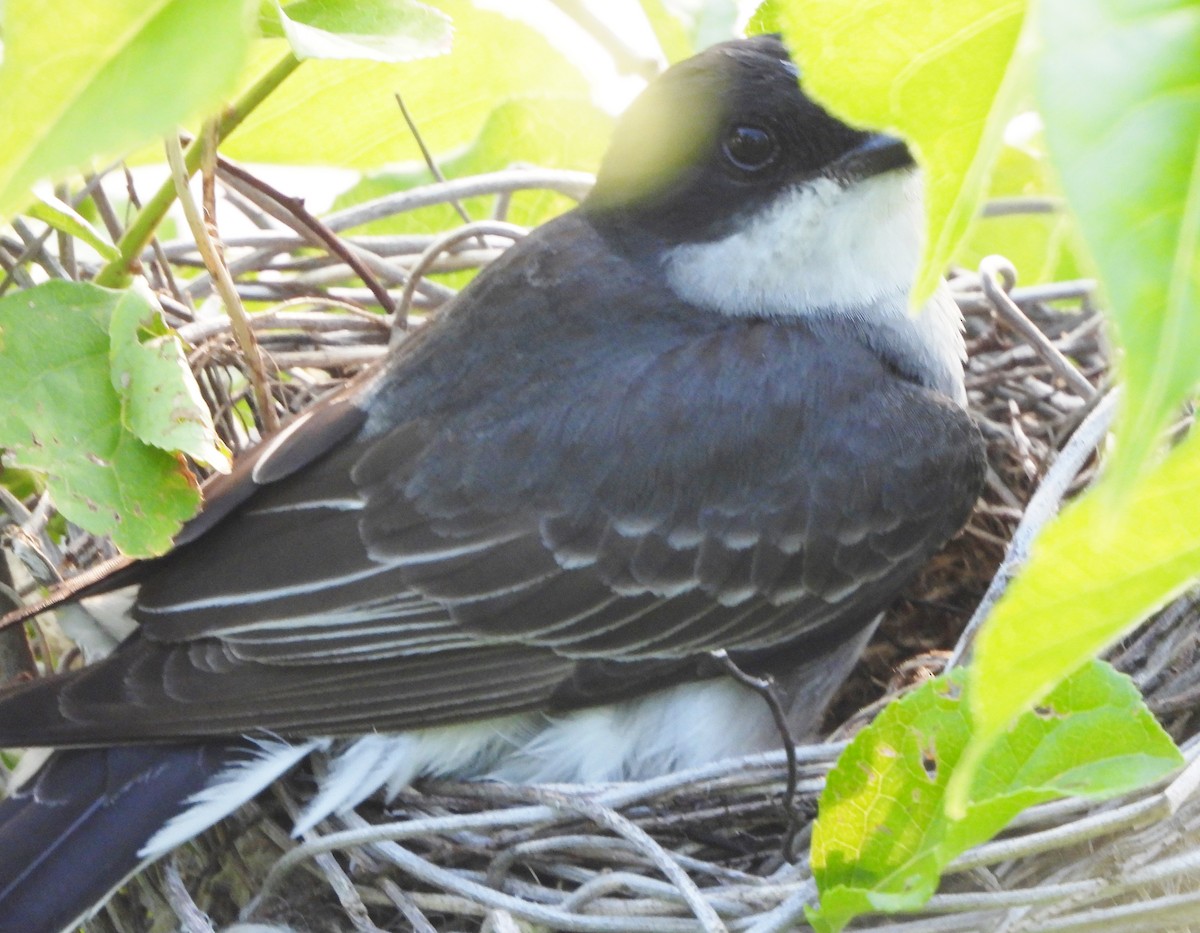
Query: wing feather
[457, 541]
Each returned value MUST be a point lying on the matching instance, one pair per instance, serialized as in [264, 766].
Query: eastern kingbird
[692, 415]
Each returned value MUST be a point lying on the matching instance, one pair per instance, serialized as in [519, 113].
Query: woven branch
[696, 851]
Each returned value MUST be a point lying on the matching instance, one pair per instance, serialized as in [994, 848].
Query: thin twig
[430, 162]
[437, 247]
[765, 688]
[572, 184]
[991, 269]
[242, 331]
[191, 918]
[407, 907]
[644, 843]
[1004, 207]
[1041, 508]
[300, 219]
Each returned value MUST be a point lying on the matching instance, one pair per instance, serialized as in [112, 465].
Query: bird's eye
[750, 148]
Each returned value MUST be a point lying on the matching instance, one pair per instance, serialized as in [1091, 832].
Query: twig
[35, 248]
[499, 921]
[437, 247]
[191, 918]
[300, 219]
[787, 916]
[1042, 507]
[138, 234]
[1003, 207]
[160, 264]
[572, 184]
[16, 657]
[66, 242]
[991, 268]
[430, 162]
[407, 907]
[15, 272]
[765, 688]
[337, 878]
[242, 331]
[642, 841]
[355, 320]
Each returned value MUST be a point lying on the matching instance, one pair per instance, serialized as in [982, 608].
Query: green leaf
[62, 416]
[1094, 574]
[21, 483]
[528, 130]
[884, 834]
[765, 18]
[672, 37]
[712, 21]
[1041, 247]
[378, 30]
[450, 97]
[160, 401]
[62, 217]
[935, 73]
[84, 80]
[1129, 159]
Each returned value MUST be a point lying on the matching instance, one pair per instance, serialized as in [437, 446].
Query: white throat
[819, 246]
[824, 250]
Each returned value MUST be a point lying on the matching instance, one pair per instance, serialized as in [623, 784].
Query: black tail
[72, 834]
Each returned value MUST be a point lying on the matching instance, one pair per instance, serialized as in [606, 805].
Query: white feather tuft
[680, 727]
[363, 766]
[227, 791]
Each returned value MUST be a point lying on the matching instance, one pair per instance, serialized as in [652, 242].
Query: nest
[702, 850]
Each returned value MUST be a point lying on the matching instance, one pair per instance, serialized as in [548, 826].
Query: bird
[690, 421]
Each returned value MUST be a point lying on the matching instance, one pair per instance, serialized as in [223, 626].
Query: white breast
[827, 250]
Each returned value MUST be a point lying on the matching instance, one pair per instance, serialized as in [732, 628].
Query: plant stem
[138, 235]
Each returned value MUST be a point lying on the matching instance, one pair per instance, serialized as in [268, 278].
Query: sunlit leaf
[884, 834]
[1129, 158]
[1041, 246]
[672, 37]
[1093, 575]
[377, 30]
[934, 73]
[494, 59]
[160, 401]
[64, 218]
[85, 80]
[711, 22]
[63, 417]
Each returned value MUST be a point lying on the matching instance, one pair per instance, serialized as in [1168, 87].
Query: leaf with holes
[63, 417]
[883, 835]
[1094, 574]
[160, 401]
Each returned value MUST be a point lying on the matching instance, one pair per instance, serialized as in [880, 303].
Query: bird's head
[760, 201]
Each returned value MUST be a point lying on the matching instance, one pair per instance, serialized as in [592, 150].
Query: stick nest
[695, 851]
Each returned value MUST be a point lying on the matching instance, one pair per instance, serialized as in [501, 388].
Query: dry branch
[698, 850]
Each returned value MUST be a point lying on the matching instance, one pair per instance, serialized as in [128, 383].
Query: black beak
[879, 153]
